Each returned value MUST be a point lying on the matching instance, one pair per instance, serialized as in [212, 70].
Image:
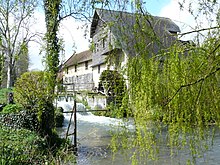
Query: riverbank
[25, 147]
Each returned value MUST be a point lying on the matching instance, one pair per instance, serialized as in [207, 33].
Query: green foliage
[52, 11]
[4, 95]
[12, 108]
[59, 117]
[32, 92]
[112, 83]
[20, 146]
[18, 120]
[181, 94]
[31, 88]
[92, 47]
[173, 96]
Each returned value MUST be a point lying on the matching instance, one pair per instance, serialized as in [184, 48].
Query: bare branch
[199, 30]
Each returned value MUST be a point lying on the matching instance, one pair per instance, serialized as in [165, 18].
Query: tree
[52, 10]
[31, 91]
[1, 62]
[55, 12]
[176, 90]
[53, 16]
[15, 32]
[22, 63]
[174, 93]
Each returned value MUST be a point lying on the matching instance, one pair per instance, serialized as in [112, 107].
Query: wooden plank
[92, 110]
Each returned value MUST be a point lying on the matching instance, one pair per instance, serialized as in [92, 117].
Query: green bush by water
[25, 147]
[12, 108]
[59, 117]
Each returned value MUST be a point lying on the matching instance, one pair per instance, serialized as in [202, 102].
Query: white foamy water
[89, 117]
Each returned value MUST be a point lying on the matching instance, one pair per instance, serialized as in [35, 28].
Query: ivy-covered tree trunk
[52, 9]
[1, 68]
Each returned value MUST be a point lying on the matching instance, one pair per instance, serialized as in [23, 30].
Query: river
[94, 137]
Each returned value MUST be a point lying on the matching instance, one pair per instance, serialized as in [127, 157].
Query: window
[75, 68]
[99, 69]
[67, 70]
[66, 80]
[173, 32]
[70, 80]
[86, 65]
[97, 47]
[104, 43]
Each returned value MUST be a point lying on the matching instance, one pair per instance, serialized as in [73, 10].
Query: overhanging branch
[193, 83]
[199, 30]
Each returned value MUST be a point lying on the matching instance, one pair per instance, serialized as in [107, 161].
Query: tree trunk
[9, 76]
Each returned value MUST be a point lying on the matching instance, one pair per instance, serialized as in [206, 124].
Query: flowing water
[94, 137]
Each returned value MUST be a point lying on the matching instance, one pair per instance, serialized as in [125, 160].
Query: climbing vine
[52, 9]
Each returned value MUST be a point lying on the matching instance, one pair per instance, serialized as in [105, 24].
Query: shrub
[112, 84]
[12, 108]
[22, 119]
[32, 91]
[31, 88]
[4, 95]
[59, 117]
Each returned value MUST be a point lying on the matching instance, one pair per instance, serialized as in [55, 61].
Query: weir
[69, 89]
[73, 113]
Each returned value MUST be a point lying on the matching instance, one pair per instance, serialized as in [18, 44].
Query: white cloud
[181, 17]
[184, 19]
[75, 36]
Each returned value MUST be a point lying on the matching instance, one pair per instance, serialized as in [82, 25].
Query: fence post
[75, 128]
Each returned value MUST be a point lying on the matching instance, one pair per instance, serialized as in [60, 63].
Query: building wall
[102, 43]
[97, 102]
[80, 69]
[82, 78]
[96, 73]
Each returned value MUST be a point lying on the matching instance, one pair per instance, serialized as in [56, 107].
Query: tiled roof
[78, 58]
[121, 18]
[130, 29]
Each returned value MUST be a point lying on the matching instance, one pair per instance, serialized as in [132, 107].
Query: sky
[75, 41]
